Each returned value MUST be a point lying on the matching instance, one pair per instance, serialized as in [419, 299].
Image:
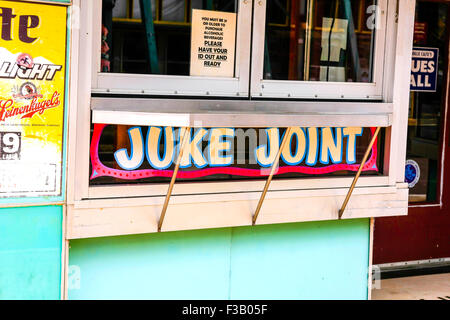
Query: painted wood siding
[312, 260]
[30, 252]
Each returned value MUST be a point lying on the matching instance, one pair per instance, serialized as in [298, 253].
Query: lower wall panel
[30, 252]
[423, 234]
[310, 260]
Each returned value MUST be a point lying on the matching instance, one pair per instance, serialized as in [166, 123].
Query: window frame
[82, 195]
[175, 85]
[295, 89]
[90, 42]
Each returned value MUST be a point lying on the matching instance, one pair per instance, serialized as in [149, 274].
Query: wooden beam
[366, 155]
[272, 171]
[174, 177]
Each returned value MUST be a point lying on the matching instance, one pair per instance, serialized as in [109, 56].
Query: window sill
[239, 113]
[109, 217]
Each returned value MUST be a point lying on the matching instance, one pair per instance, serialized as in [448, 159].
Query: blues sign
[424, 67]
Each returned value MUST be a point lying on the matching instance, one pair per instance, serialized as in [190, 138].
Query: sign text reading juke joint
[233, 152]
[226, 146]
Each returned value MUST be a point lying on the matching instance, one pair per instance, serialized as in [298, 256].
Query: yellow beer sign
[32, 94]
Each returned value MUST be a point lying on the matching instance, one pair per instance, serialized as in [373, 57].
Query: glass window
[425, 114]
[158, 44]
[295, 35]
[320, 40]
[128, 155]
[305, 41]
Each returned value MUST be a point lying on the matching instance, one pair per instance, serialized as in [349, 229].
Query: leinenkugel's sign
[152, 151]
[32, 90]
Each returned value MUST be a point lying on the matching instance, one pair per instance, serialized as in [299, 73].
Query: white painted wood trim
[218, 211]
[236, 196]
[209, 187]
[82, 114]
[402, 78]
[94, 26]
[238, 120]
[71, 107]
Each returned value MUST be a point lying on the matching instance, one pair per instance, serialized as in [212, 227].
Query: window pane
[120, 10]
[167, 50]
[299, 34]
[425, 120]
[173, 10]
[131, 155]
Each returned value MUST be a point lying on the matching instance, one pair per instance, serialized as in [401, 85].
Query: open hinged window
[171, 47]
[314, 49]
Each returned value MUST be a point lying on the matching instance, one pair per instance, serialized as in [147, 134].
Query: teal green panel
[169, 265]
[313, 260]
[30, 252]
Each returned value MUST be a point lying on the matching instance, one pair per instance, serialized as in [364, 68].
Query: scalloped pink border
[99, 169]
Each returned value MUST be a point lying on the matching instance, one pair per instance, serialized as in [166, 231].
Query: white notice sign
[212, 43]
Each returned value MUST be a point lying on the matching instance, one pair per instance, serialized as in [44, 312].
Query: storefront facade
[422, 239]
[230, 149]
[35, 49]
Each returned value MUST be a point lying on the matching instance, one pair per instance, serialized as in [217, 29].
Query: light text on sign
[424, 67]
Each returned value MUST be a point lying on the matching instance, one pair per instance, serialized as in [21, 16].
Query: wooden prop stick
[366, 155]
[174, 177]
[272, 171]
